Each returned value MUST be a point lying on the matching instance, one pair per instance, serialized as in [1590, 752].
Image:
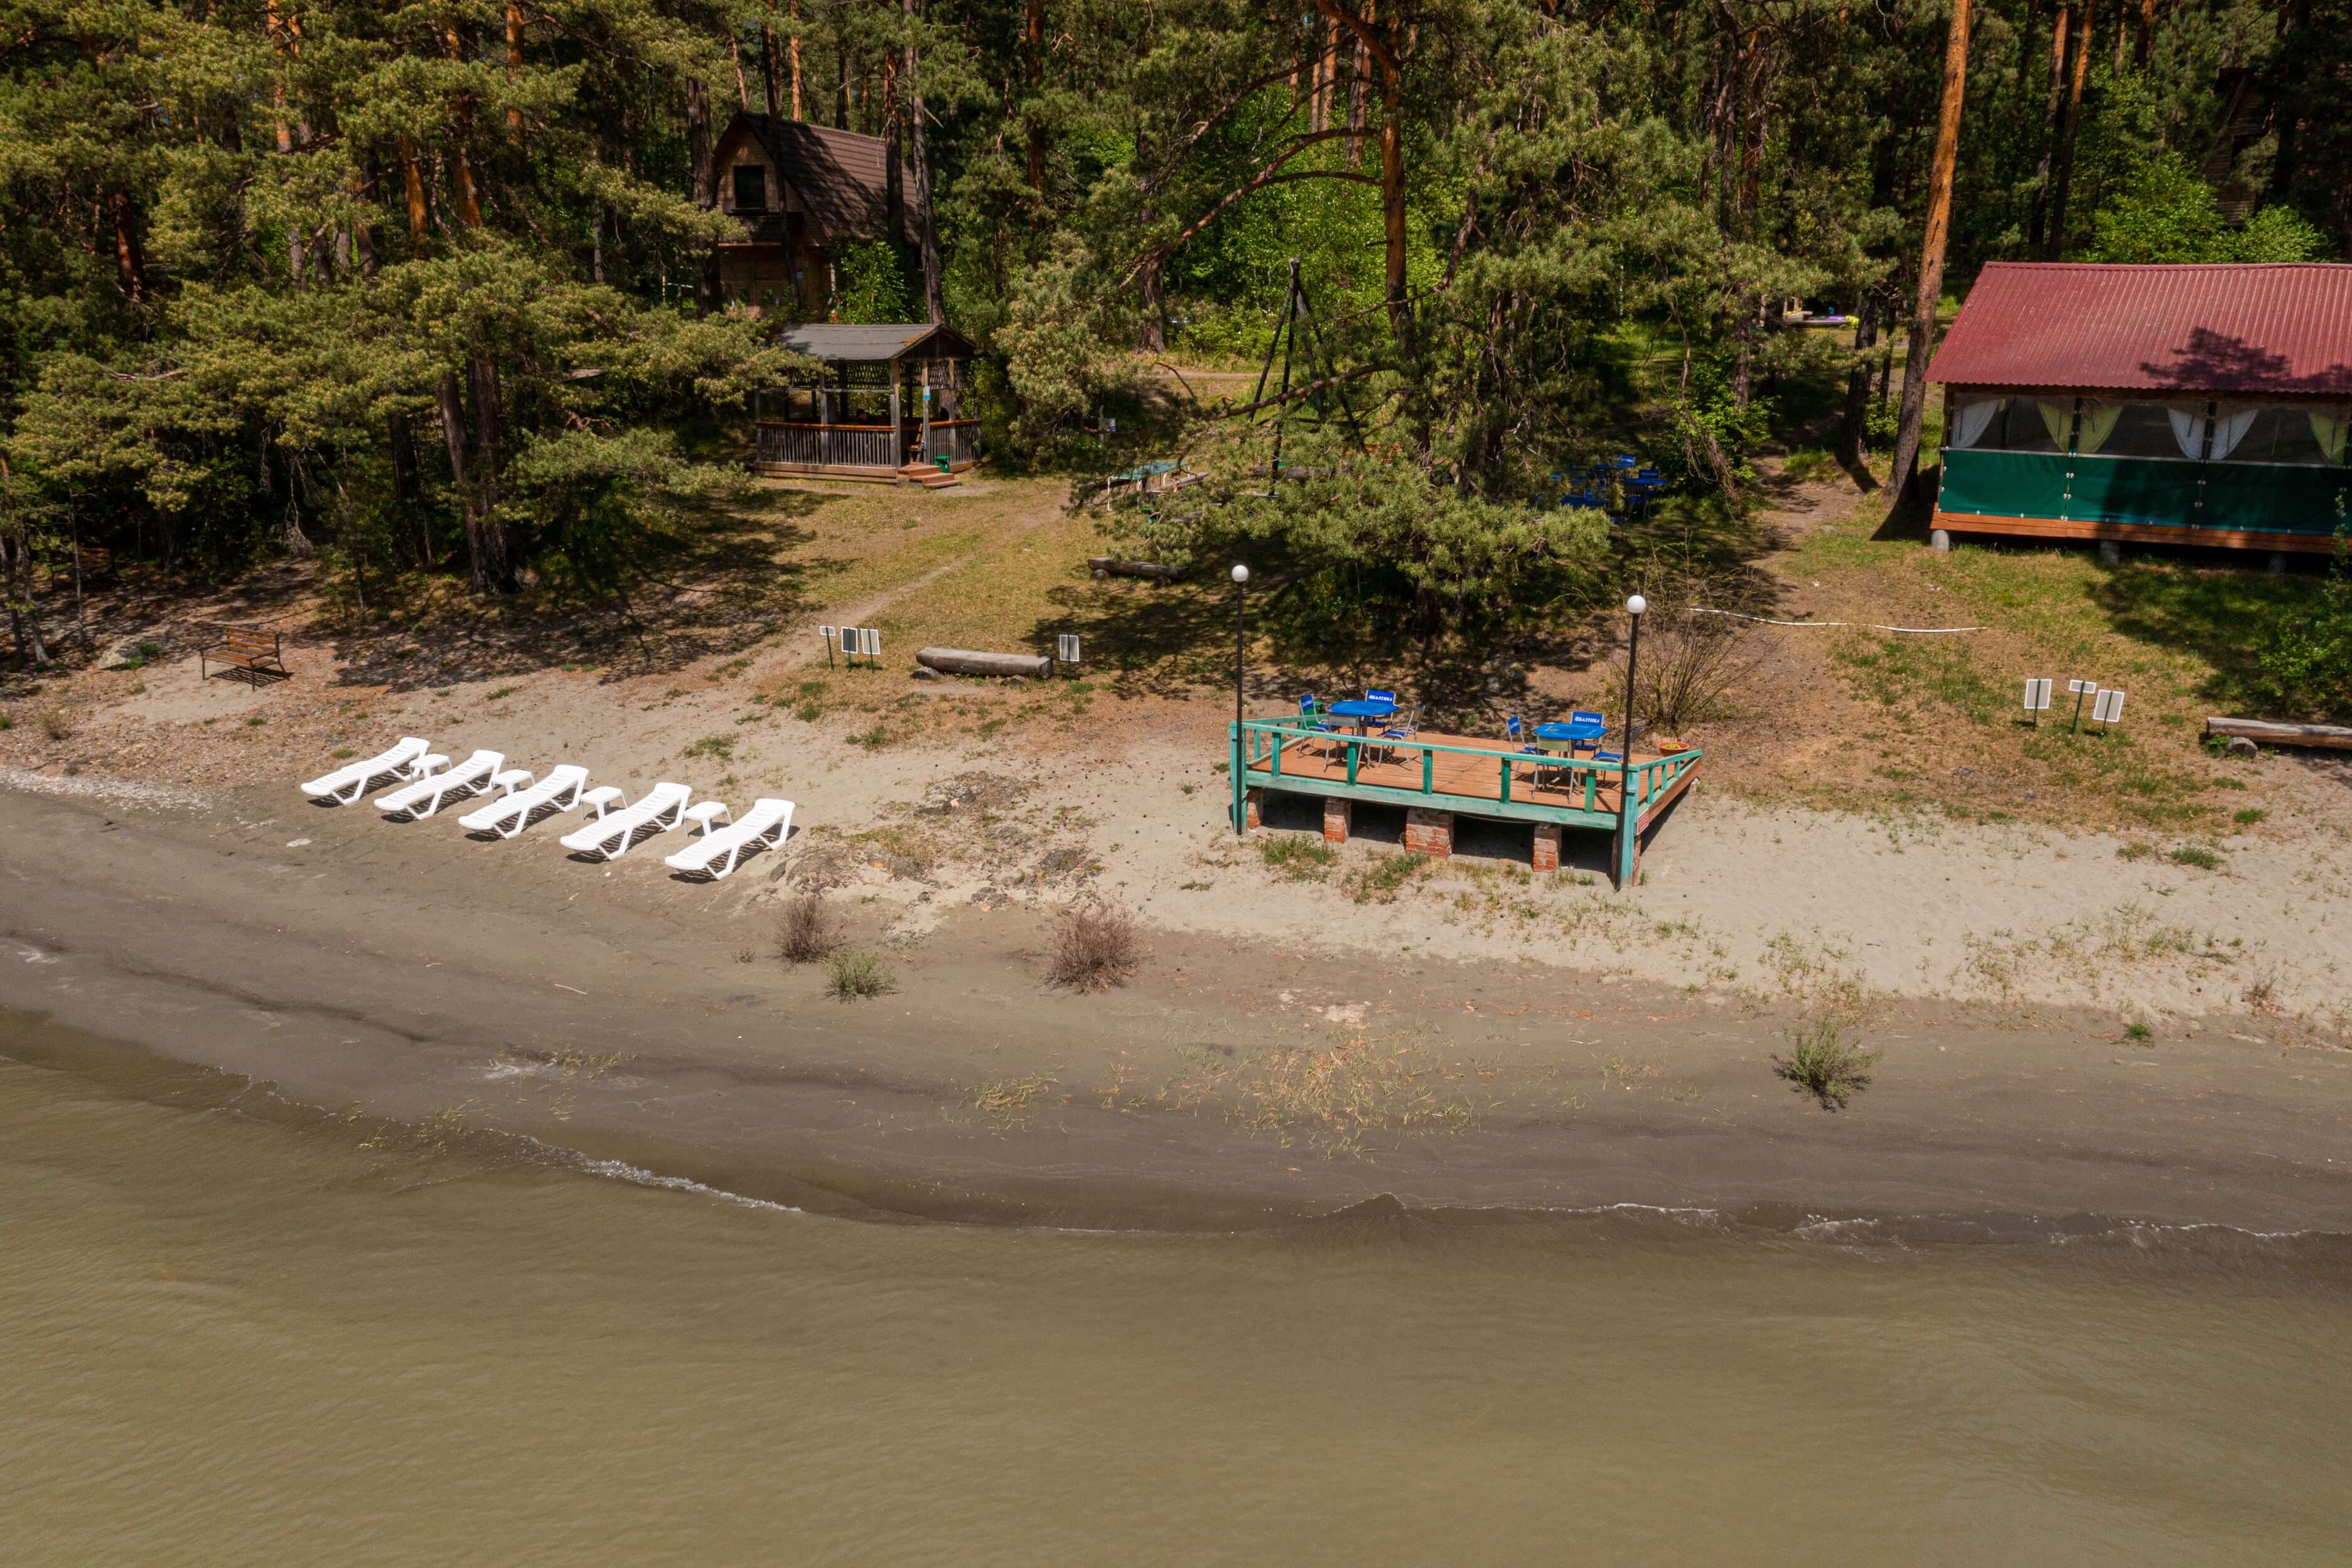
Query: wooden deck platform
[1465, 774]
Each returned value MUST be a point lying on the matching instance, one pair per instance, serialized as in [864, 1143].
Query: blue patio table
[1563, 733]
[1360, 711]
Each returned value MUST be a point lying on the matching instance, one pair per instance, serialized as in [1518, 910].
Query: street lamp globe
[1637, 604]
[1240, 573]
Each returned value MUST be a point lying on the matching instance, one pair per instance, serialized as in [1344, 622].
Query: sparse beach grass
[853, 976]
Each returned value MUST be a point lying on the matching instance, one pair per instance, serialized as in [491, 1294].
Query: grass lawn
[1938, 721]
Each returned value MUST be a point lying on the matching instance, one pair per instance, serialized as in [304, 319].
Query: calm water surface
[231, 1338]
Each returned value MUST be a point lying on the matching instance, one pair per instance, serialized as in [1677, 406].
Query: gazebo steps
[927, 476]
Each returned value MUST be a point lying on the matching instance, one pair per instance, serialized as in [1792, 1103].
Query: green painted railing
[1258, 746]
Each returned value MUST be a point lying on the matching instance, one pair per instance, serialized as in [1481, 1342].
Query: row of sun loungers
[513, 798]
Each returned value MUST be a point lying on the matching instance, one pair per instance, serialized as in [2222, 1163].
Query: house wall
[779, 269]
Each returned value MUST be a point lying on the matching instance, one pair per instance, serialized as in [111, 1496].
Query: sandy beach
[2069, 1020]
[406, 971]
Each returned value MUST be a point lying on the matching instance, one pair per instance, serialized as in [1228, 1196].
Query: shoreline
[471, 990]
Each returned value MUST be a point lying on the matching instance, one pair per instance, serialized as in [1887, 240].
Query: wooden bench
[253, 649]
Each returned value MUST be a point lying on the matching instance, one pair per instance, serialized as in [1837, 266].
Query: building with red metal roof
[2205, 405]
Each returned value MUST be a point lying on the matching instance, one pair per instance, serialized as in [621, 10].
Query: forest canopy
[430, 285]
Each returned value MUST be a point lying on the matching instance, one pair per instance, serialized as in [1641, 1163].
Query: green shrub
[849, 976]
[2307, 664]
[1825, 1061]
[2196, 855]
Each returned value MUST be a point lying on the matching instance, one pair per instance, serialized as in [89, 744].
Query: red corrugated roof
[2242, 329]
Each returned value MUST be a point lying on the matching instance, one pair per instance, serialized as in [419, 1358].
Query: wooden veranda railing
[828, 446]
[957, 440]
[1474, 780]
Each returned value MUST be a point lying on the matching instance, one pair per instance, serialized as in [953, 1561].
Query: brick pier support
[1428, 832]
[1339, 817]
[1253, 808]
[1546, 850]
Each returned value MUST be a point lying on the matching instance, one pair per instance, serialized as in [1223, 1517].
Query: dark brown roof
[843, 177]
[2239, 329]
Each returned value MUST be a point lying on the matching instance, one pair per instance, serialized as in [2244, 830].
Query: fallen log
[969, 662]
[1106, 566]
[2331, 735]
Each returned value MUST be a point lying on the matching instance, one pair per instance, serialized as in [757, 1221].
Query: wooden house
[799, 190]
[2198, 406]
[885, 402]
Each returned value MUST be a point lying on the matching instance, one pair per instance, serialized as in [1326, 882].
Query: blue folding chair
[1387, 697]
[1587, 719]
[1406, 730]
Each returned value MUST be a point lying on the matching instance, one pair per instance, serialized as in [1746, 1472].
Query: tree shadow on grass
[2222, 614]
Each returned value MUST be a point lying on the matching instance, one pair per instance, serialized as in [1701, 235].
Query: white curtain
[2230, 427]
[2329, 426]
[1971, 419]
[2056, 418]
[2188, 428]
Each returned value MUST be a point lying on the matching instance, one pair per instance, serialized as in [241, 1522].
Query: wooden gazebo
[885, 404]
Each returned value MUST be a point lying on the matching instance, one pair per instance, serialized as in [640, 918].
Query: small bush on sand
[7, 722]
[1300, 859]
[849, 976]
[56, 724]
[2196, 855]
[808, 931]
[1096, 947]
[1825, 1061]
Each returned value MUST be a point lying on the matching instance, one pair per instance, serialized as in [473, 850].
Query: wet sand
[406, 971]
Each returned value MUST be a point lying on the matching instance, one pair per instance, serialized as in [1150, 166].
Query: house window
[751, 188]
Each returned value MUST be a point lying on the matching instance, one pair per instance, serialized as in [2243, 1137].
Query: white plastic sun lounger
[406, 761]
[610, 836]
[477, 774]
[714, 855]
[511, 814]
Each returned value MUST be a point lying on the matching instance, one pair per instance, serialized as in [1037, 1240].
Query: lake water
[234, 1334]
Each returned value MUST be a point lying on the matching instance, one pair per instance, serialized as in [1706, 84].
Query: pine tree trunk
[1853, 427]
[2038, 222]
[1931, 254]
[894, 152]
[704, 179]
[926, 234]
[514, 68]
[772, 70]
[792, 50]
[2062, 177]
[129, 256]
[1034, 67]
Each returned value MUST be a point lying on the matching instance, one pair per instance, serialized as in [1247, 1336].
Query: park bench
[253, 649]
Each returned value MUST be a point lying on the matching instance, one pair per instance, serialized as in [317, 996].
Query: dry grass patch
[1096, 946]
[807, 930]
